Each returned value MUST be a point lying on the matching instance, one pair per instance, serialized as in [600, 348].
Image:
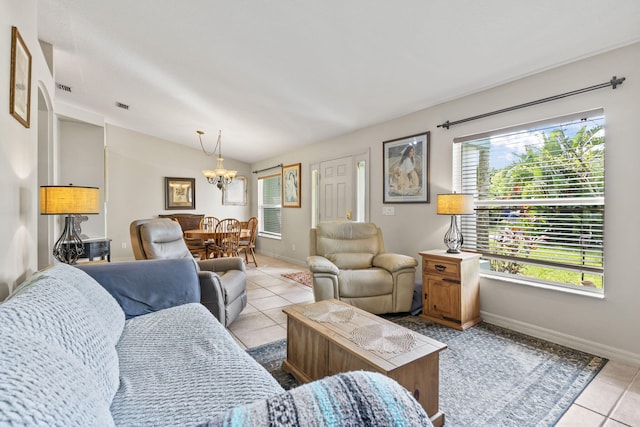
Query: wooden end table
[319, 349]
[451, 288]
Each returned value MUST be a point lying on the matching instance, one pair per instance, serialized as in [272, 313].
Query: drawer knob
[440, 267]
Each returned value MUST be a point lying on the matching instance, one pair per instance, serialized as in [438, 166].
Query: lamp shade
[68, 200]
[455, 204]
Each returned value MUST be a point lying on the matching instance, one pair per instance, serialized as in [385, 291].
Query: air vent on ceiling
[63, 87]
[121, 105]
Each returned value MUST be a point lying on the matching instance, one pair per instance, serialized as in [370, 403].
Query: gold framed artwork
[405, 166]
[235, 192]
[291, 186]
[20, 91]
[179, 193]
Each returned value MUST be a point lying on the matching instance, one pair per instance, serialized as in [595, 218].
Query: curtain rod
[615, 82]
[269, 168]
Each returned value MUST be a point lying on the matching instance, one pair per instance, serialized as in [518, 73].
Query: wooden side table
[451, 288]
[97, 248]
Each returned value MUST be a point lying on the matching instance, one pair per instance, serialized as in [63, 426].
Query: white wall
[136, 167]
[604, 326]
[81, 163]
[18, 151]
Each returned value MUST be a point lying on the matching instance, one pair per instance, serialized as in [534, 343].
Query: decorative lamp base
[453, 238]
[69, 246]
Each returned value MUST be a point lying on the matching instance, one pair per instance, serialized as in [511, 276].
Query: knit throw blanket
[356, 398]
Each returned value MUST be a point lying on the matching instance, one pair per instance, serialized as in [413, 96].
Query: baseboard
[284, 258]
[570, 341]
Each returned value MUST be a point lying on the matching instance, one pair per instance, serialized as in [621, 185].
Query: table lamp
[68, 200]
[454, 204]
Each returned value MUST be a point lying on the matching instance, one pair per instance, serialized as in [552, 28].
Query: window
[315, 185]
[361, 190]
[539, 195]
[269, 205]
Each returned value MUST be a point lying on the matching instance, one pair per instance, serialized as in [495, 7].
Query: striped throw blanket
[357, 398]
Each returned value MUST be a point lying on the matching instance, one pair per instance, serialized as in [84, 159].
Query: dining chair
[248, 245]
[227, 238]
[209, 223]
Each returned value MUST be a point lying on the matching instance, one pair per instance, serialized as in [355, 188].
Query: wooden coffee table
[317, 349]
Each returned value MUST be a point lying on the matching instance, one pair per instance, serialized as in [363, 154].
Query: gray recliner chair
[223, 281]
[348, 262]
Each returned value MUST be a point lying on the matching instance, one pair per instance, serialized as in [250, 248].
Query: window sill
[270, 236]
[542, 286]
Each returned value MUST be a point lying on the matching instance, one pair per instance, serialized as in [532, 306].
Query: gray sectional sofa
[129, 344]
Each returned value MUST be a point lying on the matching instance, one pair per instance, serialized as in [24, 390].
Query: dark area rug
[489, 376]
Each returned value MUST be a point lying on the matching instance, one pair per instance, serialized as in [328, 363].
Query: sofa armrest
[221, 264]
[212, 294]
[319, 264]
[394, 262]
[145, 286]
[357, 398]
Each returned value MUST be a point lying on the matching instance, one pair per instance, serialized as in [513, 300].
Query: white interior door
[335, 199]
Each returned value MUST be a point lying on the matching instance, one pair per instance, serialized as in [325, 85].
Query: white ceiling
[278, 74]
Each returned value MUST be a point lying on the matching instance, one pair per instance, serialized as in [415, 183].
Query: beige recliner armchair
[348, 262]
[223, 281]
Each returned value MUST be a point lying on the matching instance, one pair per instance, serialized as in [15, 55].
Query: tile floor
[612, 399]
[262, 321]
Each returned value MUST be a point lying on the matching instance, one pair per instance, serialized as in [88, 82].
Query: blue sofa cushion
[146, 286]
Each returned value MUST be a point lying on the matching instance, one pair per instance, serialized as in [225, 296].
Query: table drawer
[442, 268]
[98, 247]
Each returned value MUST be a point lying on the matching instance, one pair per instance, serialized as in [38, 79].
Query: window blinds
[270, 203]
[539, 194]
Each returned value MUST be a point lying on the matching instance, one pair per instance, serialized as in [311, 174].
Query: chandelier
[219, 176]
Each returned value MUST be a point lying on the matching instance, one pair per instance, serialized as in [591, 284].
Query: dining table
[213, 235]
[205, 234]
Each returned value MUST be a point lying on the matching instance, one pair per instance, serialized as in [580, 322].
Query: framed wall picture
[179, 193]
[291, 186]
[235, 192]
[20, 90]
[405, 165]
